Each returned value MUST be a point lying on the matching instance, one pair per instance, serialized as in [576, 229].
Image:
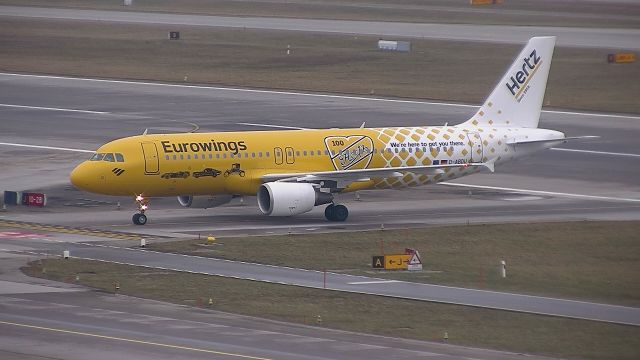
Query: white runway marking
[273, 126]
[373, 282]
[53, 109]
[46, 147]
[293, 93]
[539, 192]
[597, 152]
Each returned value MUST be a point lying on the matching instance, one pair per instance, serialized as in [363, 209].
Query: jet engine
[203, 202]
[286, 199]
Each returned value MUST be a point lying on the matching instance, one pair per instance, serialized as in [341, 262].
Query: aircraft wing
[561, 140]
[348, 176]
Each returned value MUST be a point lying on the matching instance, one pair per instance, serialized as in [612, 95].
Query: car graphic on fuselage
[174, 175]
[207, 172]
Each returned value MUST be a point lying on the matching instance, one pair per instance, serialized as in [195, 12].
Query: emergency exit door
[475, 142]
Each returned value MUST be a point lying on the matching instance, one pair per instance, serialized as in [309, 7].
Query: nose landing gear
[143, 204]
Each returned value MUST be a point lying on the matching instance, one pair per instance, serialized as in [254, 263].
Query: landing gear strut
[140, 218]
[336, 213]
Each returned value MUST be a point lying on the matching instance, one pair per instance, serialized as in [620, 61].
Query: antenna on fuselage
[145, 131]
[362, 126]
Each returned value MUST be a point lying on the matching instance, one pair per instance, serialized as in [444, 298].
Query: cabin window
[304, 153]
[175, 157]
[96, 157]
[217, 156]
[181, 157]
[260, 154]
[195, 156]
[246, 155]
[253, 155]
[109, 157]
[224, 156]
[210, 156]
[188, 157]
[166, 157]
[298, 153]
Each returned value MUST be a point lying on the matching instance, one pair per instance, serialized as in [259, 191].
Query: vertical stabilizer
[517, 98]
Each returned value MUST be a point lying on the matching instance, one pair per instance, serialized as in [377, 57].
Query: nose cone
[80, 177]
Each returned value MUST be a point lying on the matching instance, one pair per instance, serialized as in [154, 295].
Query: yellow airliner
[292, 171]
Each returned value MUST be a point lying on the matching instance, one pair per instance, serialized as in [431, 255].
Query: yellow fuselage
[235, 162]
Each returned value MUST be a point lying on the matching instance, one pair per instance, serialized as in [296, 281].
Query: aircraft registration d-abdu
[293, 171]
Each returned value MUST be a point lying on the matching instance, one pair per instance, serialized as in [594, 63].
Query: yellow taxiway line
[134, 341]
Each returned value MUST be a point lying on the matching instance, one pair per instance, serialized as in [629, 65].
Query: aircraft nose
[80, 176]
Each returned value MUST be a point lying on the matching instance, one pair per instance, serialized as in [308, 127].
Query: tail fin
[517, 98]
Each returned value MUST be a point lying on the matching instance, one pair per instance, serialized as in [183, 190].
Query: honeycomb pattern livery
[411, 146]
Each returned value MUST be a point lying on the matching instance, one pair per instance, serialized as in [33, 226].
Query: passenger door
[278, 156]
[151, 159]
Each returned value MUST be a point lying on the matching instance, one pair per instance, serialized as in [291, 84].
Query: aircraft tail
[517, 99]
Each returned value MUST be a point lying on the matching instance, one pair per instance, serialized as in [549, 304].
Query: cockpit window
[109, 157]
[96, 157]
[119, 157]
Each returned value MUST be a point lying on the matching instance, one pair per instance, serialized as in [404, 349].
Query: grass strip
[596, 261]
[440, 70]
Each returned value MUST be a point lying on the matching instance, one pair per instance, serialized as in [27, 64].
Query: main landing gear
[143, 204]
[337, 213]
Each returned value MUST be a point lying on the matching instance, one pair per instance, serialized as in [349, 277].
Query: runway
[567, 36]
[599, 184]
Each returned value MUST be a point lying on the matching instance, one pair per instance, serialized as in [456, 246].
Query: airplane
[293, 171]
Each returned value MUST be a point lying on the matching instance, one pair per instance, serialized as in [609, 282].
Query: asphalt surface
[567, 36]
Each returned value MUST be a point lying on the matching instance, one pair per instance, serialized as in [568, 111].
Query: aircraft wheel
[340, 213]
[329, 211]
[139, 219]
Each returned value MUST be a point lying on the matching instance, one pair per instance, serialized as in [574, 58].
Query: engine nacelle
[203, 202]
[287, 199]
